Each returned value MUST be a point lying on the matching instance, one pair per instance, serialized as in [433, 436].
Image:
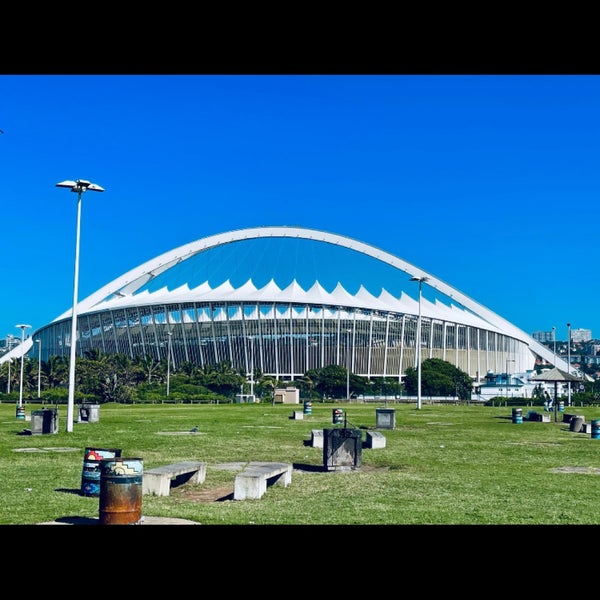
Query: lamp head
[81, 185]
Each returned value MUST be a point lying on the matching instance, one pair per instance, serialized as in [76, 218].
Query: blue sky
[489, 182]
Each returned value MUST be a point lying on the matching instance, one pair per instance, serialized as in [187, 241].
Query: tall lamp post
[418, 340]
[78, 187]
[569, 360]
[554, 340]
[39, 343]
[20, 410]
[348, 332]
[507, 375]
[252, 368]
[170, 334]
[8, 341]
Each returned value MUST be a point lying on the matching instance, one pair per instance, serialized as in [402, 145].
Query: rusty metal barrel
[90, 475]
[121, 491]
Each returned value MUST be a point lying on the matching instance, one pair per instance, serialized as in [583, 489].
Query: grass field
[443, 464]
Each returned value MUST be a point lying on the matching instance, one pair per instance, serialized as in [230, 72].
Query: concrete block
[316, 438]
[375, 439]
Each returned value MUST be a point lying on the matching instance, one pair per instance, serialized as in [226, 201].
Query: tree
[439, 378]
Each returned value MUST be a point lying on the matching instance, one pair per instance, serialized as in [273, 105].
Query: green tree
[439, 378]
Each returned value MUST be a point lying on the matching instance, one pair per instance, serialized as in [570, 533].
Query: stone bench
[252, 482]
[375, 439]
[533, 415]
[158, 480]
[316, 438]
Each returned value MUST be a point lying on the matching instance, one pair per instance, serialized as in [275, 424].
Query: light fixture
[78, 187]
[418, 339]
[20, 410]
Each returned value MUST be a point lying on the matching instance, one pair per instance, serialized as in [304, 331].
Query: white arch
[137, 277]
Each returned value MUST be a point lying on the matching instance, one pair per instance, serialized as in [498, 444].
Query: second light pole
[569, 360]
[20, 409]
[78, 187]
[418, 340]
[39, 343]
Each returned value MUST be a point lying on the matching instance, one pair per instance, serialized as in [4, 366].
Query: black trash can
[337, 416]
[342, 449]
[385, 418]
[44, 421]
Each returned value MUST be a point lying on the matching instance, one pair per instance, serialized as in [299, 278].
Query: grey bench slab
[375, 439]
[252, 482]
[158, 480]
[316, 438]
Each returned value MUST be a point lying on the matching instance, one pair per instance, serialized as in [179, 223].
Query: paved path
[96, 521]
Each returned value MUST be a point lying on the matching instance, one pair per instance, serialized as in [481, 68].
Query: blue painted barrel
[307, 407]
[90, 475]
[595, 429]
[121, 491]
[20, 412]
[337, 416]
[517, 415]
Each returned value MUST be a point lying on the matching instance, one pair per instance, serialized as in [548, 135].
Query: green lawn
[443, 464]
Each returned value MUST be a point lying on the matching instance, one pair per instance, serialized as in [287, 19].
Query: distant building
[581, 335]
[543, 336]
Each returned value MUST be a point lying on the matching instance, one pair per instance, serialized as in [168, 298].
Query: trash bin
[342, 449]
[595, 429]
[20, 412]
[576, 423]
[89, 413]
[385, 418]
[337, 416]
[517, 415]
[121, 491]
[307, 407]
[561, 406]
[90, 475]
[44, 421]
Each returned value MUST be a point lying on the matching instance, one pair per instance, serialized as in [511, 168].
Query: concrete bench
[252, 482]
[158, 480]
[533, 415]
[316, 438]
[375, 439]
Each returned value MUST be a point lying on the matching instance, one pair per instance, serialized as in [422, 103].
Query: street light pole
[78, 187]
[418, 340]
[348, 332]
[507, 375]
[252, 368]
[20, 411]
[554, 339]
[569, 360]
[8, 341]
[39, 343]
[170, 334]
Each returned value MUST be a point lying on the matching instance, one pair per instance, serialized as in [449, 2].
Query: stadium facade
[285, 300]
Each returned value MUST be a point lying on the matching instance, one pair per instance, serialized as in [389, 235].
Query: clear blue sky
[489, 182]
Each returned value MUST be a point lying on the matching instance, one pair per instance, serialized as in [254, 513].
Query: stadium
[287, 299]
